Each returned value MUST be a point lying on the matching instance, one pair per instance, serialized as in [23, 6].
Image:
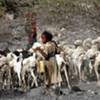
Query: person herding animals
[52, 73]
[31, 29]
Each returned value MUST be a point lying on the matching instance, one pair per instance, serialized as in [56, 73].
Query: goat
[15, 61]
[97, 68]
[29, 65]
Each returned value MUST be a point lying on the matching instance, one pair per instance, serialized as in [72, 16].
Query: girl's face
[44, 39]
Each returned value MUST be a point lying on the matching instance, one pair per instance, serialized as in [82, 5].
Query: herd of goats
[21, 68]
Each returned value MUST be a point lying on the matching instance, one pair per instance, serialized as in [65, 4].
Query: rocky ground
[67, 26]
[89, 91]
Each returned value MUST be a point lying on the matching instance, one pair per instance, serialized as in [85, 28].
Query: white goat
[15, 62]
[29, 65]
[97, 68]
[4, 72]
[80, 60]
[62, 65]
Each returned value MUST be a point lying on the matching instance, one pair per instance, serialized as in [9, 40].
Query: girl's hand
[34, 50]
[37, 49]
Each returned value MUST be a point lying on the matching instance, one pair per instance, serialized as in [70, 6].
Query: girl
[52, 73]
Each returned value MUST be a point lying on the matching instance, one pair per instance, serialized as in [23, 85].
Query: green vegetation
[7, 5]
[55, 7]
[53, 2]
[2, 10]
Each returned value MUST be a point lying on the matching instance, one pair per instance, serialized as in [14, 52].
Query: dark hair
[48, 35]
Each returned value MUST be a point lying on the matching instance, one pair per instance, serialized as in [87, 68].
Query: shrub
[2, 11]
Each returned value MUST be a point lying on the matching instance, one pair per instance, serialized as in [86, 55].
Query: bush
[11, 5]
[2, 10]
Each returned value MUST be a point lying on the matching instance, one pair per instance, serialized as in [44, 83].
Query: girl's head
[46, 36]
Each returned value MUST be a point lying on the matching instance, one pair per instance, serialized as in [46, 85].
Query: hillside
[67, 19]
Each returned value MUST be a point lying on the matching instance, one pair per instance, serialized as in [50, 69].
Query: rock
[9, 16]
[75, 89]
[63, 29]
[3, 46]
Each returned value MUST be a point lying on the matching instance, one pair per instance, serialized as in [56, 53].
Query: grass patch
[2, 10]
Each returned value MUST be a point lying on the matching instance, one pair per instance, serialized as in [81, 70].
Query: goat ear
[36, 56]
[97, 53]
[12, 56]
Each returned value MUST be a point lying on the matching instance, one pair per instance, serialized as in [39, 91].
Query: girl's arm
[43, 53]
